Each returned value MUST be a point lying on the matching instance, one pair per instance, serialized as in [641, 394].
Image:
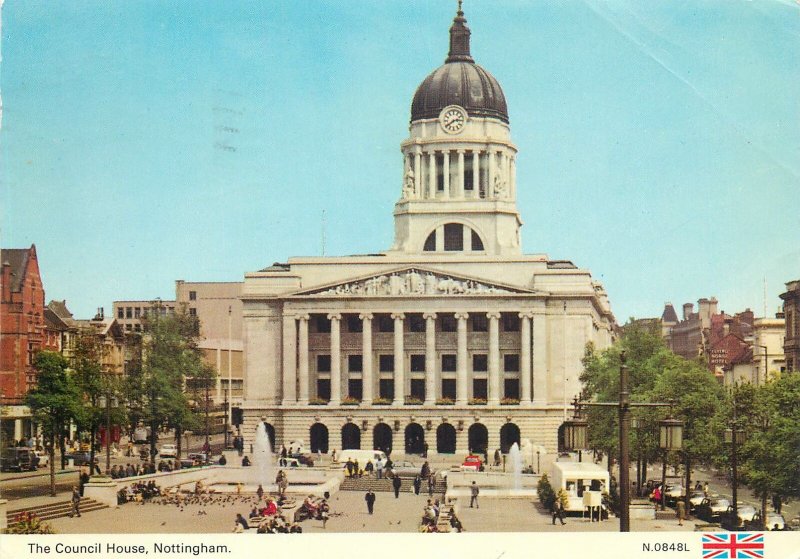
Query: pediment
[412, 281]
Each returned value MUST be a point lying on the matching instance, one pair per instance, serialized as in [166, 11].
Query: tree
[772, 450]
[170, 356]
[545, 492]
[53, 402]
[87, 364]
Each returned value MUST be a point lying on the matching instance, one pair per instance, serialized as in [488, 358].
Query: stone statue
[408, 185]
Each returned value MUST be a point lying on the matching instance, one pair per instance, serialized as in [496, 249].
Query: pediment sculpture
[411, 282]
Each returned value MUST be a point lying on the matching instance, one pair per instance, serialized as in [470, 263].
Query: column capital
[526, 314]
[429, 315]
[335, 316]
[493, 315]
[303, 316]
[398, 316]
[365, 316]
[461, 315]
[461, 151]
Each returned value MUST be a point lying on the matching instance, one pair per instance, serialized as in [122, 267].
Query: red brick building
[22, 334]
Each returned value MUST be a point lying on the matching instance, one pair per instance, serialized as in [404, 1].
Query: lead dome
[459, 81]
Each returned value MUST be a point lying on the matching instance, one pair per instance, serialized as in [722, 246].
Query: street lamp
[670, 438]
[735, 436]
[575, 437]
[107, 402]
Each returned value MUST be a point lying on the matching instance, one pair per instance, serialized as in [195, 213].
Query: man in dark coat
[76, 502]
[417, 484]
[396, 483]
[370, 499]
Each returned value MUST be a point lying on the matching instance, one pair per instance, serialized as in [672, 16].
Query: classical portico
[452, 338]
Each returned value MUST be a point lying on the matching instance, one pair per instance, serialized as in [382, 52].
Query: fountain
[515, 460]
[263, 462]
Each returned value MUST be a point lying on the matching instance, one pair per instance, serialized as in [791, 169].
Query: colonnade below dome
[458, 174]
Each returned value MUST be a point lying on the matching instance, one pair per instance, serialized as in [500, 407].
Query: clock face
[453, 119]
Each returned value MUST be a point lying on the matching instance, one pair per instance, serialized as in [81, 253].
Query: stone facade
[453, 338]
[791, 312]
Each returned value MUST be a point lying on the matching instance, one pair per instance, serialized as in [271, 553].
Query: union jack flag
[733, 545]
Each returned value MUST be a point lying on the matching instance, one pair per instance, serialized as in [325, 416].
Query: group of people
[430, 517]
[276, 524]
[139, 492]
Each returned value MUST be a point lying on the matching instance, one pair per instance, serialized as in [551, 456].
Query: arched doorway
[382, 438]
[446, 439]
[415, 439]
[509, 434]
[478, 438]
[351, 436]
[270, 434]
[319, 438]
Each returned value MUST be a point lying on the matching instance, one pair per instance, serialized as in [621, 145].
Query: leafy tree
[170, 356]
[772, 450]
[87, 364]
[53, 402]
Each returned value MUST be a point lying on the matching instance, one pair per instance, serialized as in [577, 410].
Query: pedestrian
[333, 455]
[283, 451]
[425, 450]
[240, 520]
[356, 468]
[76, 502]
[417, 484]
[777, 503]
[379, 467]
[497, 457]
[558, 511]
[425, 472]
[368, 469]
[705, 489]
[474, 491]
[370, 499]
[396, 483]
[680, 511]
[431, 485]
[83, 479]
[349, 465]
[260, 492]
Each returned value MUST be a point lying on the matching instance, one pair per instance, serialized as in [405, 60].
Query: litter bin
[71, 462]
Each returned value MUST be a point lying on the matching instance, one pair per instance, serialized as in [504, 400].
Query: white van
[363, 456]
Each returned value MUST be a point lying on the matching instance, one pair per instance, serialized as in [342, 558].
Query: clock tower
[459, 181]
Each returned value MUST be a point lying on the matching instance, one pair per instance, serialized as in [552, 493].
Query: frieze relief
[411, 282]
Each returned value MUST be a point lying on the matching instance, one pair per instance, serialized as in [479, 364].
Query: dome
[459, 81]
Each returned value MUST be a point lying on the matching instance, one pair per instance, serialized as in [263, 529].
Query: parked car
[472, 463]
[17, 458]
[712, 508]
[745, 513]
[168, 450]
[404, 468]
[197, 457]
[673, 493]
[775, 521]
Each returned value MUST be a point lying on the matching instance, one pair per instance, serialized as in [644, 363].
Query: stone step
[55, 510]
[385, 485]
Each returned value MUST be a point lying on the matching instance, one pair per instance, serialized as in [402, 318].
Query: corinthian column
[432, 175]
[494, 358]
[418, 173]
[399, 380]
[336, 359]
[525, 358]
[446, 174]
[289, 361]
[461, 359]
[430, 358]
[366, 357]
[540, 394]
[302, 355]
[460, 193]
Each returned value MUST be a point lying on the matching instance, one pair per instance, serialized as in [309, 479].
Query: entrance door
[382, 438]
[351, 436]
[446, 439]
[415, 439]
[478, 437]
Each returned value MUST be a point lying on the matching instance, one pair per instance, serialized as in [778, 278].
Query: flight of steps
[385, 485]
[55, 510]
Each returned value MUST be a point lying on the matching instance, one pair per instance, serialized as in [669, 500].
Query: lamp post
[734, 436]
[671, 435]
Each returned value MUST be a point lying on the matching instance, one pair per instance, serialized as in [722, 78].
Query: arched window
[456, 237]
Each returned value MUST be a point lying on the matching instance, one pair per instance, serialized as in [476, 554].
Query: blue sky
[659, 142]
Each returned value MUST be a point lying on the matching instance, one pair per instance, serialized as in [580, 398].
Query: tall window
[386, 363]
[439, 172]
[479, 388]
[354, 323]
[449, 388]
[354, 363]
[323, 363]
[479, 322]
[511, 362]
[385, 323]
[386, 388]
[322, 323]
[453, 237]
[468, 177]
[448, 363]
[417, 363]
[193, 295]
[510, 322]
[479, 363]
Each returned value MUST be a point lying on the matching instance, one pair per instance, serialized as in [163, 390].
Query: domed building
[452, 340]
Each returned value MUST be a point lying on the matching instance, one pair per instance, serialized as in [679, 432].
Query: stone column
[492, 170]
[540, 395]
[399, 361]
[430, 358]
[476, 174]
[494, 358]
[302, 358]
[461, 359]
[460, 193]
[432, 175]
[289, 361]
[512, 177]
[336, 359]
[446, 174]
[366, 357]
[525, 358]
[418, 172]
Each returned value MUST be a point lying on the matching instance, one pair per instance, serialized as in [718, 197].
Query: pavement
[348, 515]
